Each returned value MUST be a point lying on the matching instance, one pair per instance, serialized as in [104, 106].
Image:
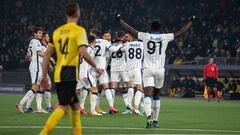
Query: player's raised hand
[193, 18]
[118, 16]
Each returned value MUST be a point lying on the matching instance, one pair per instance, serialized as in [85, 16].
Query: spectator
[217, 34]
[175, 87]
[233, 89]
[226, 86]
[190, 86]
[238, 89]
[199, 86]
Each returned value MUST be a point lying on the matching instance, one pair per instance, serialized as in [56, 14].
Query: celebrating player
[107, 36]
[100, 58]
[35, 52]
[119, 68]
[155, 45]
[69, 41]
[134, 56]
[87, 82]
[47, 89]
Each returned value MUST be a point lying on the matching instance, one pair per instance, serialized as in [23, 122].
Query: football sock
[113, 94]
[99, 99]
[137, 98]
[39, 99]
[83, 97]
[29, 101]
[94, 98]
[156, 107]
[142, 103]
[52, 121]
[125, 98]
[48, 96]
[102, 93]
[27, 96]
[147, 105]
[130, 96]
[76, 122]
[209, 94]
[216, 94]
[108, 94]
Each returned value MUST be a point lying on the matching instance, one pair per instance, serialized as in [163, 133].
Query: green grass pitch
[177, 116]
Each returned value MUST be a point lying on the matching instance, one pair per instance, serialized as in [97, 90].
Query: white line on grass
[125, 128]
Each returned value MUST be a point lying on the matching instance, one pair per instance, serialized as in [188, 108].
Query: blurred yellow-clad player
[69, 41]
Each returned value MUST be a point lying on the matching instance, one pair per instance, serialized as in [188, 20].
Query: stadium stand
[216, 34]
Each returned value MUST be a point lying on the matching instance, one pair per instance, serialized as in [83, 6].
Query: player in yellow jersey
[69, 41]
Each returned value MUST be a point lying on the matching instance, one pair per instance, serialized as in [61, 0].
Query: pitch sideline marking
[126, 128]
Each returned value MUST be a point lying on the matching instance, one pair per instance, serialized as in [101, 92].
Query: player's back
[67, 39]
[118, 60]
[155, 45]
[84, 66]
[134, 54]
[100, 52]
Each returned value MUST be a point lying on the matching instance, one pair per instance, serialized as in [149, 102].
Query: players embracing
[154, 45]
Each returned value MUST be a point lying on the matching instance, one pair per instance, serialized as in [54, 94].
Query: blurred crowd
[190, 86]
[215, 34]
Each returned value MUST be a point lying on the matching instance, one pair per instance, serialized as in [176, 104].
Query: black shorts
[66, 92]
[211, 82]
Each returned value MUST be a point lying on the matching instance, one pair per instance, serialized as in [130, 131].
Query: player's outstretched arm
[186, 27]
[125, 26]
[86, 56]
[115, 48]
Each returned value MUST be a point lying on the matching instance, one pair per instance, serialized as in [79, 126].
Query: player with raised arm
[69, 41]
[100, 58]
[35, 52]
[87, 82]
[155, 44]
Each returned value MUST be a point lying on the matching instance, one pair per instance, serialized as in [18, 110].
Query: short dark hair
[156, 25]
[105, 32]
[120, 34]
[96, 32]
[126, 32]
[210, 57]
[71, 9]
[36, 29]
[91, 39]
[45, 32]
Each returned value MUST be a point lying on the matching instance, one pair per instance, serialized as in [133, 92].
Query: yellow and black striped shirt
[66, 40]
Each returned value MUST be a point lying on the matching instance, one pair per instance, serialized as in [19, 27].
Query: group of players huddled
[136, 60]
[35, 53]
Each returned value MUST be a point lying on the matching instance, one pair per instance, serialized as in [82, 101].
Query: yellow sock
[76, 122]
[52, 121]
